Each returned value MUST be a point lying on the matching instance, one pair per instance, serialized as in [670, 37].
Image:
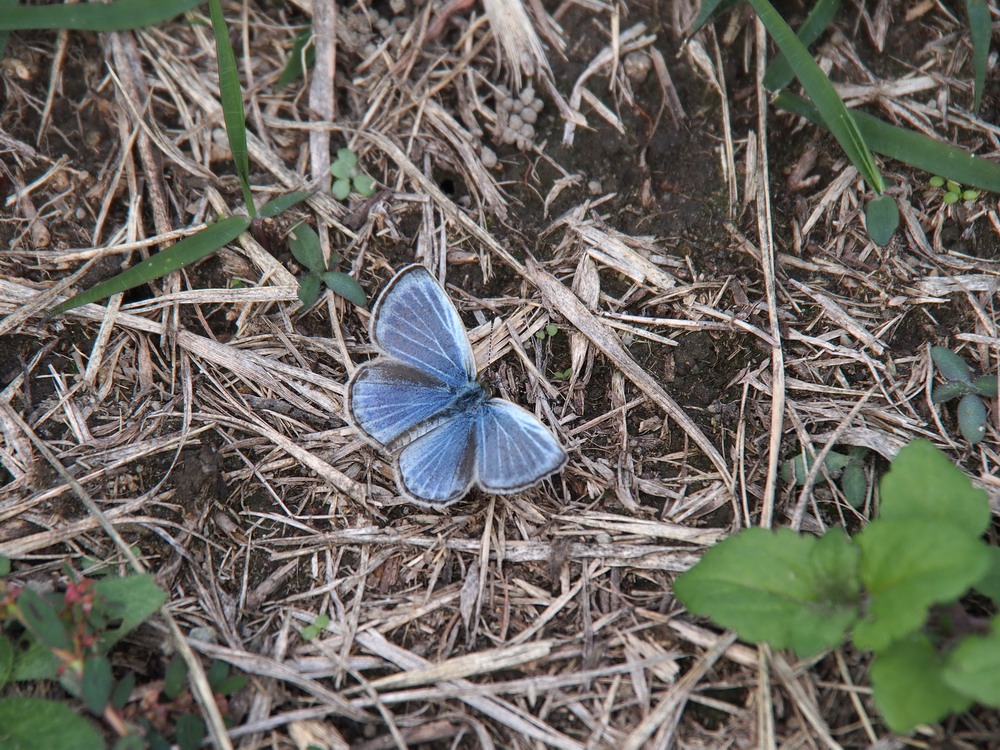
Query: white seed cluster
[516, 116]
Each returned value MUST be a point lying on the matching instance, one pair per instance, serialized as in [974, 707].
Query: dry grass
[706, 344]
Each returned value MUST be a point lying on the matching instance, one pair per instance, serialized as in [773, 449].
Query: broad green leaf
[341, 188]
[342, 170]
[40, 617]
[97, 683]
[989, 584]
[779, 73]
[347, 157]
[115, 16]
[4, 566]
[6, 658]
[922, 484]
[789, 590]
[980, 29]
[33, 723]
[305, 246]
[282, 203]
[973, 667]
[344, 286]
[854, 484]
[298, 60]
[909, 147]
[908, 565]
[123, 691]
[309, 286]
[5, 35]
[986, 386]
[947, 391]
[131, 599]
[130, 742]
[882, 219]
[822, 93]
[35, 663]
[184, 253]
[950, 365]
[232, 102]
[797, 469]
[908, 685]
[364, 185]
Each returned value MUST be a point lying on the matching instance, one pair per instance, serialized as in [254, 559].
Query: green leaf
[980, 28]
[341, 188]
[184, 253]
[190, 731]
[796, 469]
[950, 198]
[33, 723]
[908, 685]
[950, 365]
[709, 8]
[309, 286]
[36, 663]
[130, 742]
[947, 391]
[989, 584]
[922, 484]
[882, 219]
[282, 203]
[6, 658]
[175, 679]
[908, 565]
[305, 246]
[551, 330]
[973, 667]
[341, 170]
[97, 682]
[294, 67]
[116, 16]
[347, 157]
[364, 185]
[41, 618]
[854, 484]
[790, 590]
[779, 73]
[123, 691]
[230, 685]
[4, 566]
[986, 386]
[972, 418]
[131, 599]
[909, 147]
[232, 102]
[822, 93]
[344, 286]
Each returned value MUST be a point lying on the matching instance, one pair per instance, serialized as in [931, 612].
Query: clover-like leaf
[972, 418]
[347, 157]
[908, 565]
[341, 188]
[364, 185]
[789, 590]
[950, 365]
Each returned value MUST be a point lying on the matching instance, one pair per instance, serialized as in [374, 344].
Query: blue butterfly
[420, 401]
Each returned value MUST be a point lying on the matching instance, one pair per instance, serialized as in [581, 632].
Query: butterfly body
[420, 400]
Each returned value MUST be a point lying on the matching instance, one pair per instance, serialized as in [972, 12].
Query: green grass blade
[297, 61]
[821, 91]
[116, 16]
[232, 102]
[980, 29]
[4, 35]
[709, 8]
[909, 147]
[779, 73]
[185, 252]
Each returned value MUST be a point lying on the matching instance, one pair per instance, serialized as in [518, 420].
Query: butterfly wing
[415, 322]
[388, 399]
[439, 467]
[513, 449]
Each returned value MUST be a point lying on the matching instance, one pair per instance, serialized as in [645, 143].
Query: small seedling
[309, 632]
[959, 384]
[953, 192]
[304, 244]
[563, 375]
[546, 333]
[345, 169]
[850, 467]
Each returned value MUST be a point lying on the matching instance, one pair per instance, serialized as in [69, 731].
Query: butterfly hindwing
[440, 465]
[513, 449]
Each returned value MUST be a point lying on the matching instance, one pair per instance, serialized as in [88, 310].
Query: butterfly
[420, 401]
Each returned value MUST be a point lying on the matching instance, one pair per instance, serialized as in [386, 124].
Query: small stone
[528, 131]
[504, 105]
[529, 115]
[637, 65]
[516, 122]
[397, 6]
[488, 157]
[509, 135]
[537, 105]
[527, 95]
[594, 187]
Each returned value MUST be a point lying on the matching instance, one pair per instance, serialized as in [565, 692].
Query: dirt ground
[717, 301]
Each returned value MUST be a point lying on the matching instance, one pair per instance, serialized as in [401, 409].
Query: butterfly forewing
[513, 449]
[416, 323]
